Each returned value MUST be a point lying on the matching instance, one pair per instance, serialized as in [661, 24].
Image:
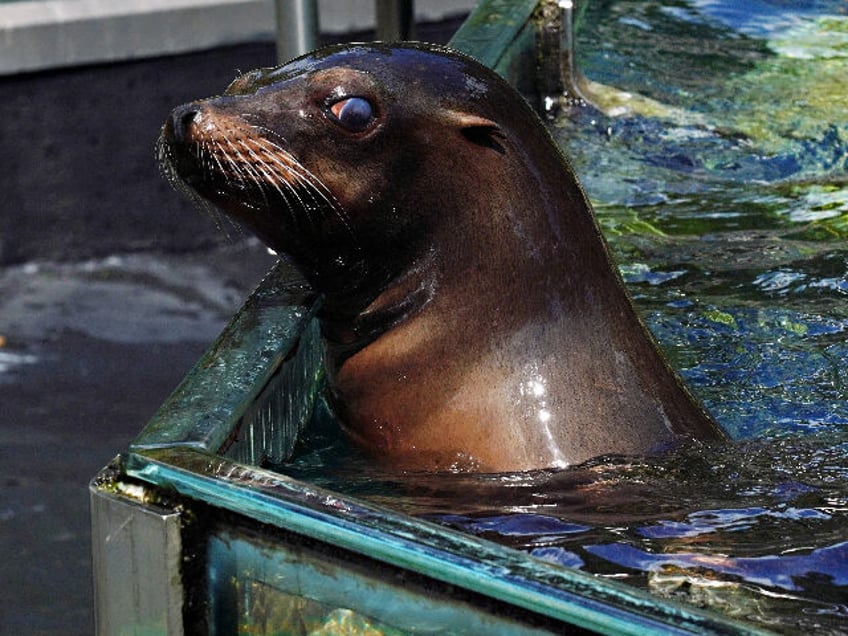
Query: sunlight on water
[732, 235]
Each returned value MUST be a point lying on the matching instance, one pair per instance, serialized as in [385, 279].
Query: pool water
[731, 231]
[729, 218]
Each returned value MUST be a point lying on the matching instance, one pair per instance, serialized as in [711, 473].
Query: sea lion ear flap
[478, 130]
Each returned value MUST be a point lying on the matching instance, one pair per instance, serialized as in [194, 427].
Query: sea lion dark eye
[354, 113]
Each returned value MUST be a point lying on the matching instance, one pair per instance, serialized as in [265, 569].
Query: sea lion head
[337, 160]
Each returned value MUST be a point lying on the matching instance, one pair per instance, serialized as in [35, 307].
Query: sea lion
[472, 315]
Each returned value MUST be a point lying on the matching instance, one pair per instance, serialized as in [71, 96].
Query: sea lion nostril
[187, 118]
[181, 121]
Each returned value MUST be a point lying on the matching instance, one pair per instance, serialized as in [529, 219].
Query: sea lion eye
[354, 113]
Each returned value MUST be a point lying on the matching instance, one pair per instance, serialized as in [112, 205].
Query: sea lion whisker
[316, 187]
[209, 207]
[290, 196]
[245, 169]
[250, 180]
[244, 178]
[297, 169]
[309, 184]
[272, 178]
[261, 172]
[220, 162]
[265, 133]
[242, 170]
[208, 160]
[222, 221]
[268, 154]
[268, 172]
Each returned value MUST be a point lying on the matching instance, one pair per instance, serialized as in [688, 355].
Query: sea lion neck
[350, 324]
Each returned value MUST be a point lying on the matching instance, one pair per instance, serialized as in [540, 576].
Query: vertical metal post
[137, 559]
[395, 20]
[567, 50]
[559, 78]
[297, 28]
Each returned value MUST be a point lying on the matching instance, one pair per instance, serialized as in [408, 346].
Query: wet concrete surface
[90, 349]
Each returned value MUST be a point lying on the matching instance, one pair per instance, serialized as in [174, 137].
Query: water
[729, 216]
[730, 222]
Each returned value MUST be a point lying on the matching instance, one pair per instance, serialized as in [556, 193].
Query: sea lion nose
[180, 122]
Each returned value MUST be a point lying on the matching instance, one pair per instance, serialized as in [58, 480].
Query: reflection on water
[732, 234]
[733, 238]
[757, 530]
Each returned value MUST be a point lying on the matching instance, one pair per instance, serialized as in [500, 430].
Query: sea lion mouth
[224, 160]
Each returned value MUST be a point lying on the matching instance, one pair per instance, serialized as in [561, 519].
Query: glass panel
[276, 587]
